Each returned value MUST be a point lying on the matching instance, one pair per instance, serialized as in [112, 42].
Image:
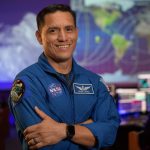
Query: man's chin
[63, 60]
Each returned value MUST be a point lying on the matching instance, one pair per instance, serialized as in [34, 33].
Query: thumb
[41, 113]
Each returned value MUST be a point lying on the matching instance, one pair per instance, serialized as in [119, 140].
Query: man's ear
[38, 37]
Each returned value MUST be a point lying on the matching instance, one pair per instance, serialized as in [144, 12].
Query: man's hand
[48, 132]
[87, 121]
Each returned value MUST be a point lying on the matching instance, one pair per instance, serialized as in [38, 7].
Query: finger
[87, 121]
[28, 137]
[31, 142]
[40, 113]
[37, 146]
[31, 129]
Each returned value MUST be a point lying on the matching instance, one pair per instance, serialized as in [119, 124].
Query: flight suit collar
[43, 62]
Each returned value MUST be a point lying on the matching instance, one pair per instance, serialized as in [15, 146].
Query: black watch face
[70, 131]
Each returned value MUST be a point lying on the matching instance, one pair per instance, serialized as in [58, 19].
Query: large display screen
[114, 37]
[18, 45]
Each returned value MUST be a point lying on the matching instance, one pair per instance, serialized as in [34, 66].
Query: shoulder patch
[17, 91]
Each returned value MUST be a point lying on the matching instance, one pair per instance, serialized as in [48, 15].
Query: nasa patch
[55, 89]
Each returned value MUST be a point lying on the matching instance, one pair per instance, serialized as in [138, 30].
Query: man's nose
[62, 36]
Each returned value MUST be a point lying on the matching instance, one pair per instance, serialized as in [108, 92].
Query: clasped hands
[47, 132]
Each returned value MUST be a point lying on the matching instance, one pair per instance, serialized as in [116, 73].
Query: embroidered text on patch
[83, 88]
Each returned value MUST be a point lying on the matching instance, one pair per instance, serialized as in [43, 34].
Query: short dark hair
[51, 9]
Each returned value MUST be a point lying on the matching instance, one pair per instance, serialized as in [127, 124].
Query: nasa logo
[55, 89]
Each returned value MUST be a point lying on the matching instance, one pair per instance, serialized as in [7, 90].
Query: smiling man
[56, 103]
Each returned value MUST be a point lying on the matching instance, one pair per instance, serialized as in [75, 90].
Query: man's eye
[69, 29]
[52, 30]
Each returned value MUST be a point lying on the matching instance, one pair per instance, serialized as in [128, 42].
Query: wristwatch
[70, 131]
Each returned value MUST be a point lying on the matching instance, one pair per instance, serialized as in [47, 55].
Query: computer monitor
[132, 101]
[144, 82]
[148, 101]
[144, 85]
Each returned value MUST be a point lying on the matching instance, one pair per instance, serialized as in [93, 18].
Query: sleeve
[106, 118]
[25, 95]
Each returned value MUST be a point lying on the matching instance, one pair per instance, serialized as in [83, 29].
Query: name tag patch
[83, 88]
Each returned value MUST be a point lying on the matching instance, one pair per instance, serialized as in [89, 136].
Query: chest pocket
[84, 100]
[59, 101]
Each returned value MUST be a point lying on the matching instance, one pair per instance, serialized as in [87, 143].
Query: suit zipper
[70, 90]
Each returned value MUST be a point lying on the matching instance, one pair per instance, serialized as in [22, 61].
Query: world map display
[114, 38]
[114, 41]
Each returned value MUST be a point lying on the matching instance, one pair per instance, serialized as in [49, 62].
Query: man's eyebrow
[53, 27]
[56, 27]
[70, 26]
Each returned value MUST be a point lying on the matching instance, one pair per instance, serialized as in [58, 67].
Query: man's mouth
[63, 46]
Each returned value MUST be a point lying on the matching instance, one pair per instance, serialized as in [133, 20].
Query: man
[57, 104]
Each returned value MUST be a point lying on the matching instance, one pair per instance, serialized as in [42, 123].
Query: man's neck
[61, 67]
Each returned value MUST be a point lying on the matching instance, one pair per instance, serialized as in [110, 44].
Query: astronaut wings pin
[83, 88]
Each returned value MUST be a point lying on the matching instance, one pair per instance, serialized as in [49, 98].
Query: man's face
[58, 36]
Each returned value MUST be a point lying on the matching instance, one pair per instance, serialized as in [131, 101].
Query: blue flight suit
[84, 96]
